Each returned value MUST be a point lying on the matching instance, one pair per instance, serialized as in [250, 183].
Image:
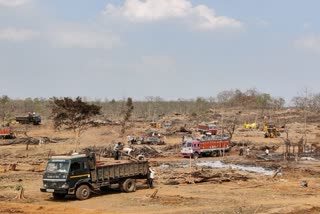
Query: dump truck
[207, 128]
[6, 133]
[208, 146]
[81, 174]
[30, 118]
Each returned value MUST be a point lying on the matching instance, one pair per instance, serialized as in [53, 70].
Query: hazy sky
[167, 48]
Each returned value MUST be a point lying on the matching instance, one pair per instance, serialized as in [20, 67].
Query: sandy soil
[259, 194]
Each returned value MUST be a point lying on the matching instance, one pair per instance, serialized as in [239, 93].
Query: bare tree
[73, 114]
[126, 115]
[230, 126]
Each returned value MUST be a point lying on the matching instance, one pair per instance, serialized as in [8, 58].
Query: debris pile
[108, 151]
[204, 175]
[172, 147]
[33, 141]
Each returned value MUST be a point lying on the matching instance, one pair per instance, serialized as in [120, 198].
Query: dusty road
[259, 194]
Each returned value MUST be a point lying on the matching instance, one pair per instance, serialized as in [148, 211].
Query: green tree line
[154, 107]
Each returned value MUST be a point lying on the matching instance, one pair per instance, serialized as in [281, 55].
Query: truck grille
[53, 185]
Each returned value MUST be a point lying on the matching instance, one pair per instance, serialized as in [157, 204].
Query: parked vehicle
[167, 124]
[135, 140]
[6, 133]
[208, 146]
[153, 140]
[31, 118]
[208, 128]
[80, 174]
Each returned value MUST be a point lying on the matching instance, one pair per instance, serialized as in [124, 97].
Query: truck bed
[5, 131]
[114, 170]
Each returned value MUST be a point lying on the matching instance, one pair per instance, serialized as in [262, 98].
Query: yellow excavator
[271, 130]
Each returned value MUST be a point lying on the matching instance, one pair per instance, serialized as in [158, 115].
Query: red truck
[6, 132]
[208, 146]
[208, 128]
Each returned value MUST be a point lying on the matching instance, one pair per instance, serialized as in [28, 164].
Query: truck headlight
[65, 185]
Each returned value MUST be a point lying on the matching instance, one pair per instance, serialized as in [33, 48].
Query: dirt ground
[258, 194]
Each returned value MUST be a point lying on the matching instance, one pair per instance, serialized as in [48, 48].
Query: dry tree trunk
[12, 167]
[20, 194]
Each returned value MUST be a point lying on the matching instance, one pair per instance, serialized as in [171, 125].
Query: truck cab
[208, 128]
[190, 147]
[64, 173]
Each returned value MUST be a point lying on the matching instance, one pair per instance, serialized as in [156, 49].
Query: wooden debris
[256, 211]
[33, 141]
[204, 175]
[154, 194]
[254, 186]
[146, 150]
[277, 172]
[12, 167]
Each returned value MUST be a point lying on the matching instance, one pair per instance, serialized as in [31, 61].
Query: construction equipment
[271, 130]
[155, 125]
[251, 126]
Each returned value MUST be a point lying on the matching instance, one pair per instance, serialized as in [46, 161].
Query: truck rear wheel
[129, 185]
[83, 192]
[215, 153]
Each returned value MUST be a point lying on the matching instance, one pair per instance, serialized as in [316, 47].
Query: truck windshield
[186, 145]
[212, 127]
[58, 166]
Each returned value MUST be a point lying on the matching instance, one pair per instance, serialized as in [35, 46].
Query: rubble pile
[108, 151]
[33, 141]
[203, 175]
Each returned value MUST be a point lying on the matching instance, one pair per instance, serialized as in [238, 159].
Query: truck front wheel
[196, 155]
[129, 185]
[83, 192]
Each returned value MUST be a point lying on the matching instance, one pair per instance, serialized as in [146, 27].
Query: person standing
[116, 150]
[248, 151]
[267, 151]
[241, 151]
[151, 173]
